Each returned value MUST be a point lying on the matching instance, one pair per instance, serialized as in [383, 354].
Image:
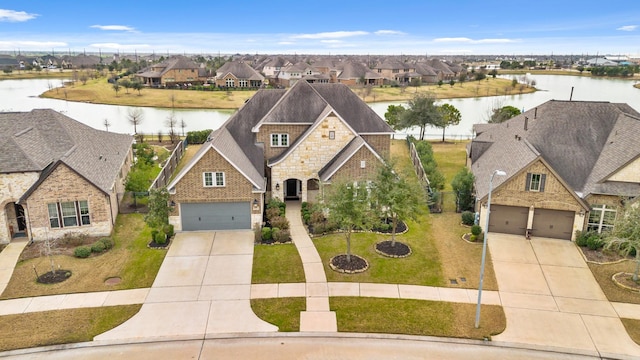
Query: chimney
[526, 123]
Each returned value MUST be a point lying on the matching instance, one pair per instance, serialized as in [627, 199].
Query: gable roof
[30, 141]
[240, 70]
[343, 156]
[584, 142]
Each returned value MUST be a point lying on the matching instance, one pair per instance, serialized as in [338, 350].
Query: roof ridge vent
[24, 131]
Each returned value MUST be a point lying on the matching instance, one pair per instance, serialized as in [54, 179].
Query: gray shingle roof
[583, 142]
[30, 141]
[240, 70]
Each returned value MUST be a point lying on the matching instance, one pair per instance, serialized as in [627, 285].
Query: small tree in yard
[449, 115]
[348, 206]
[625, 237]
[462, 185]
[158, 208]
[395, 197]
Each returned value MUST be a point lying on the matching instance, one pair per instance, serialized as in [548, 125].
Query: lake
[22, 95]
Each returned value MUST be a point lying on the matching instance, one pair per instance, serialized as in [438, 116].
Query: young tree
[393, 115]
[462, 185]
[449, 115]
[348, 205]
[183, 125]
[503, 114]
[126, 84]
[395, 197]
[116, 87]
[625, 236]
[137, 85]
[158, 214]
[422, 111]
[171, 123]
[135, 117]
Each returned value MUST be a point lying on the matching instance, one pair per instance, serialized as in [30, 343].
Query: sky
[463, 27]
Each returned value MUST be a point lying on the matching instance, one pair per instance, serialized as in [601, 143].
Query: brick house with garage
[286, 144]
[59, 176]
[570, 165]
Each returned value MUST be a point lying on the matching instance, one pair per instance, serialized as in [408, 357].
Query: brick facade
[180, 76]
[380, 143]
[353, 169]
[63, 185]
[264, 136]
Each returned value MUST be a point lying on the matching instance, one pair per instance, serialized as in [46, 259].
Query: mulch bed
[625, 280]
[154, 245]
[54, 277]
[397, 250]
[602, 257]
[401, 227]
[357, 264]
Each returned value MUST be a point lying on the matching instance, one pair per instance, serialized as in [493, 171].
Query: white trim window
[280, 140]
[69, 214]
[535, 182]
[213, 179]
[601, 218]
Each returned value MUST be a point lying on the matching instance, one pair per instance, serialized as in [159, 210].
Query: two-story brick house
[570, 165]
[287, 144]
[59, 176]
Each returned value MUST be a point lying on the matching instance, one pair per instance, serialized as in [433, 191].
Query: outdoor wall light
[277, 186]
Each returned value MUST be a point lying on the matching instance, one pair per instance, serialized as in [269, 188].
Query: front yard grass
[633, 329]
[60, 326]
[129, 259]
[281, 312]
[276, 264]
[603, 274]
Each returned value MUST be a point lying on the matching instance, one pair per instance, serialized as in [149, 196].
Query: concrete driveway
[551, 298]
[203, 288]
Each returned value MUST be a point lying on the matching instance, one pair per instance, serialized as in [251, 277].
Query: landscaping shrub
[107, 242]
[277, 203]
[266, 234]
[198, 137]
[468, 218]
[272, 213]
[154, 232]
[582, 237]
[306, 210]
[97, 247]
[476, 230]
[82, 252]
[280, 222]
[473, 238]
[257, 234]
[281, 235]
[594, 241]
[275, 233]
[160, 238]
[168, 230]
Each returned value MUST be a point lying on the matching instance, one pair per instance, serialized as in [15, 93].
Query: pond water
[22, 95]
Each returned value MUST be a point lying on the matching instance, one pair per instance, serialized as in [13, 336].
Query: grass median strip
[60, 326]
[281, 312]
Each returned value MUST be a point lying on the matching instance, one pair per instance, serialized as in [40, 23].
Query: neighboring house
[289, 75]
[59, 176]
[354, 73]
[274, 65]
[177, 69]
[570, 166]
[286, 144]
[238, 74]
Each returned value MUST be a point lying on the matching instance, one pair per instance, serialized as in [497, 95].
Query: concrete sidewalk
[203, 288]
[551, 299]
[8, 259]
[317, 316]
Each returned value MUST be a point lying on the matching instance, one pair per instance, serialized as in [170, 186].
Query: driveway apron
[552, 300]
[202, 288]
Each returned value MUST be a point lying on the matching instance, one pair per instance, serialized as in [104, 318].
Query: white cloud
[286, 43]
[389, 32]
[26, 44]
[15, 16]
[116, 46]
[330, 35]
[471, 41]
[331, 41]
[627, 28]
[113, 27]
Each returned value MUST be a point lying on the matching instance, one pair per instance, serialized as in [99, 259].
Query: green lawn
[276, 264]
[282, 312]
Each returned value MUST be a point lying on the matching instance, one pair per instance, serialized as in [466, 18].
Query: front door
[20, 218]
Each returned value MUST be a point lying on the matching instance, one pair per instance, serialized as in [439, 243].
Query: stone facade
[629, 173]
[310, 156]
[63, 185]
[12, 186]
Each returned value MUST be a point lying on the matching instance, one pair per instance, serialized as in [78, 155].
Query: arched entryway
[16, 220]
[292, 189]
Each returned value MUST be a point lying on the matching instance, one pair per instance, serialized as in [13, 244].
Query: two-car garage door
[555, 224]
[215, 216]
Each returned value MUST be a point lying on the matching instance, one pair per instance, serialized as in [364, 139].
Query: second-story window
[280, 140]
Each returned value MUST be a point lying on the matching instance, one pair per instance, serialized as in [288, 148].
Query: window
[363, 164]
[332, 135]
[535, 182]
[231, 83]
[213, 179]
[601, 218]
[280, 140]
[69, 213]
[242, 83]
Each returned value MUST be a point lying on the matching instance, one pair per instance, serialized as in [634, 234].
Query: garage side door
[215, 216]
[555, 224]
[508, 219]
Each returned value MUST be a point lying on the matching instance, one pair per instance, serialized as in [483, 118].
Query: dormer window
[280, 140]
